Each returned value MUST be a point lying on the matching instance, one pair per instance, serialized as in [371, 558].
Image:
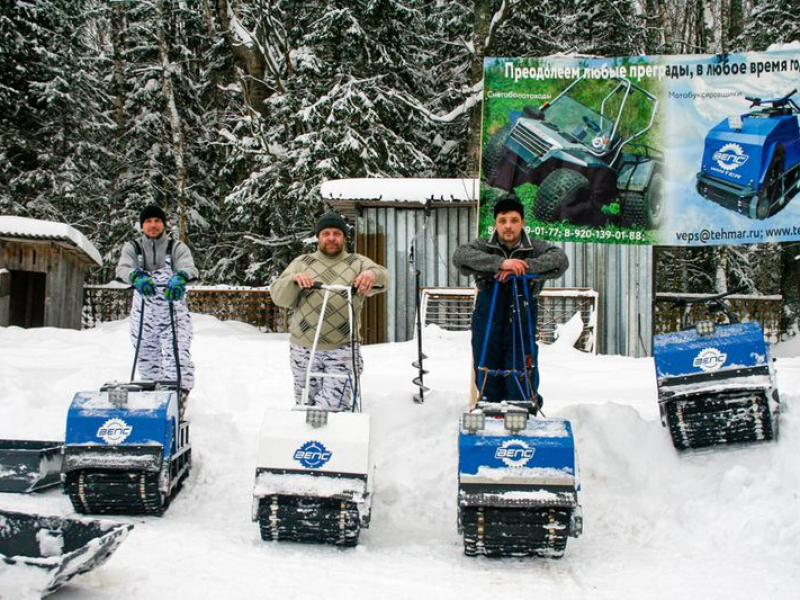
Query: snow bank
[658, 524]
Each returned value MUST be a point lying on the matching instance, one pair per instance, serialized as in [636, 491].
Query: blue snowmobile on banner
[751, 162]
[716, 383]
[517, 470]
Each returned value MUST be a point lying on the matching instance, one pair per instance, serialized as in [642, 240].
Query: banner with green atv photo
[670, 150]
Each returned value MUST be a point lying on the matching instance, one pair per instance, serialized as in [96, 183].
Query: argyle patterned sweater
[306, 304]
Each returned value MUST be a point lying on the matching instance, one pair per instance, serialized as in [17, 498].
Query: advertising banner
[670, 150]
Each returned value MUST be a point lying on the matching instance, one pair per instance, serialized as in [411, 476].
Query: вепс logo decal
[114, 431]
[312, 455]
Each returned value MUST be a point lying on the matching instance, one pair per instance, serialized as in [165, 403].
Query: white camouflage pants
[156, 360]
[331, 393]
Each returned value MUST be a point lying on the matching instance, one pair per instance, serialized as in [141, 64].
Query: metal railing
[451, 309]
[667, 317]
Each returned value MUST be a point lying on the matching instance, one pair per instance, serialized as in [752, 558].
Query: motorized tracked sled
[39, 554]
[126, 450]
[518, 473]
[313, 478]
[716, 384]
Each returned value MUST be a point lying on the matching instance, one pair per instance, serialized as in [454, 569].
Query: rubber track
[510, 531]
[725, 418]
[309, 520]
[97, 491]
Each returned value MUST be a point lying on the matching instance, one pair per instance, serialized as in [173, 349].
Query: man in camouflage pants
[331, 264]
[151, 262]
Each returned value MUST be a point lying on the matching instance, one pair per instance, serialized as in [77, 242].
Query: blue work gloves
[143, 283]
[176, 288]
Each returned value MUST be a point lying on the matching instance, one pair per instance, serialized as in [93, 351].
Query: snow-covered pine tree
[769, 22]
[52, 122]
[341, 105]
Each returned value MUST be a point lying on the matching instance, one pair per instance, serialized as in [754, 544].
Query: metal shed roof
[402, 190]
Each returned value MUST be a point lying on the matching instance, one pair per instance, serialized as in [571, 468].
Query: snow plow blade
[313, 477]
[29, 465]
[716, 388]
[125, 450]
[39, 554]
[517, 488]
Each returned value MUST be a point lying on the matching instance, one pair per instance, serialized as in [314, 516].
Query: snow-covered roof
[34, 229]
[402, 190]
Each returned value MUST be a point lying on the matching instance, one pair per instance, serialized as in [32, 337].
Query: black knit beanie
[150, 211]
[331, 220]
[509, 202]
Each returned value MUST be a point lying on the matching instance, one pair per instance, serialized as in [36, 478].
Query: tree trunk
[249, 57]
[118, 42]
[721, 274]
[665, 26]
[483, 13]
[175, 123]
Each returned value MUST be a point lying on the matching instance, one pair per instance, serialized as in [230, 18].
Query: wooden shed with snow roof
[42, 268]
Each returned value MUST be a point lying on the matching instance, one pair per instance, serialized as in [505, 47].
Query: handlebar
[318, 285]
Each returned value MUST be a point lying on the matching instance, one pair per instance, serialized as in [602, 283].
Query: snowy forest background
[231, 113]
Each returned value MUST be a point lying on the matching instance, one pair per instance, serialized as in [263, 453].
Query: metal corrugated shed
[621, 274]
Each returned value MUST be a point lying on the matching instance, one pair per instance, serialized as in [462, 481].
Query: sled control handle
[776, 102]
[317, 285]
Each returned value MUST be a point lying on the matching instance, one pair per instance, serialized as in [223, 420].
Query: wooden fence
[450, 308]
[248, 305]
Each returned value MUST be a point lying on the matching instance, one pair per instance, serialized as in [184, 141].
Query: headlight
[118, 396]
[705, 327]
[473, 422]
[316, 417]
[516, 421]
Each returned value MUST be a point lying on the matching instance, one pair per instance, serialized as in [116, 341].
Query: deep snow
[658, 524]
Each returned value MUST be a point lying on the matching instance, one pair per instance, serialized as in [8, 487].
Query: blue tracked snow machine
[751, 162]
[518, 471]
[716, 384]
[125, 451]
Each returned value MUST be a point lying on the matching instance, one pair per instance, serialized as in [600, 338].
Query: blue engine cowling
[142, 433]
[730, 349]
[716, 388]
[534, 466]
[740, 157]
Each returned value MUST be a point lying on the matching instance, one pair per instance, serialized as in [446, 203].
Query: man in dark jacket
[159, 269]
[508, 252]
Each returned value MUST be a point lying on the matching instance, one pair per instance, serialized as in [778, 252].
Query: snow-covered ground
[658, 524]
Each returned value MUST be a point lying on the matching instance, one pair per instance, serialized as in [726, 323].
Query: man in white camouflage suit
[150, 264]
[331, 264]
